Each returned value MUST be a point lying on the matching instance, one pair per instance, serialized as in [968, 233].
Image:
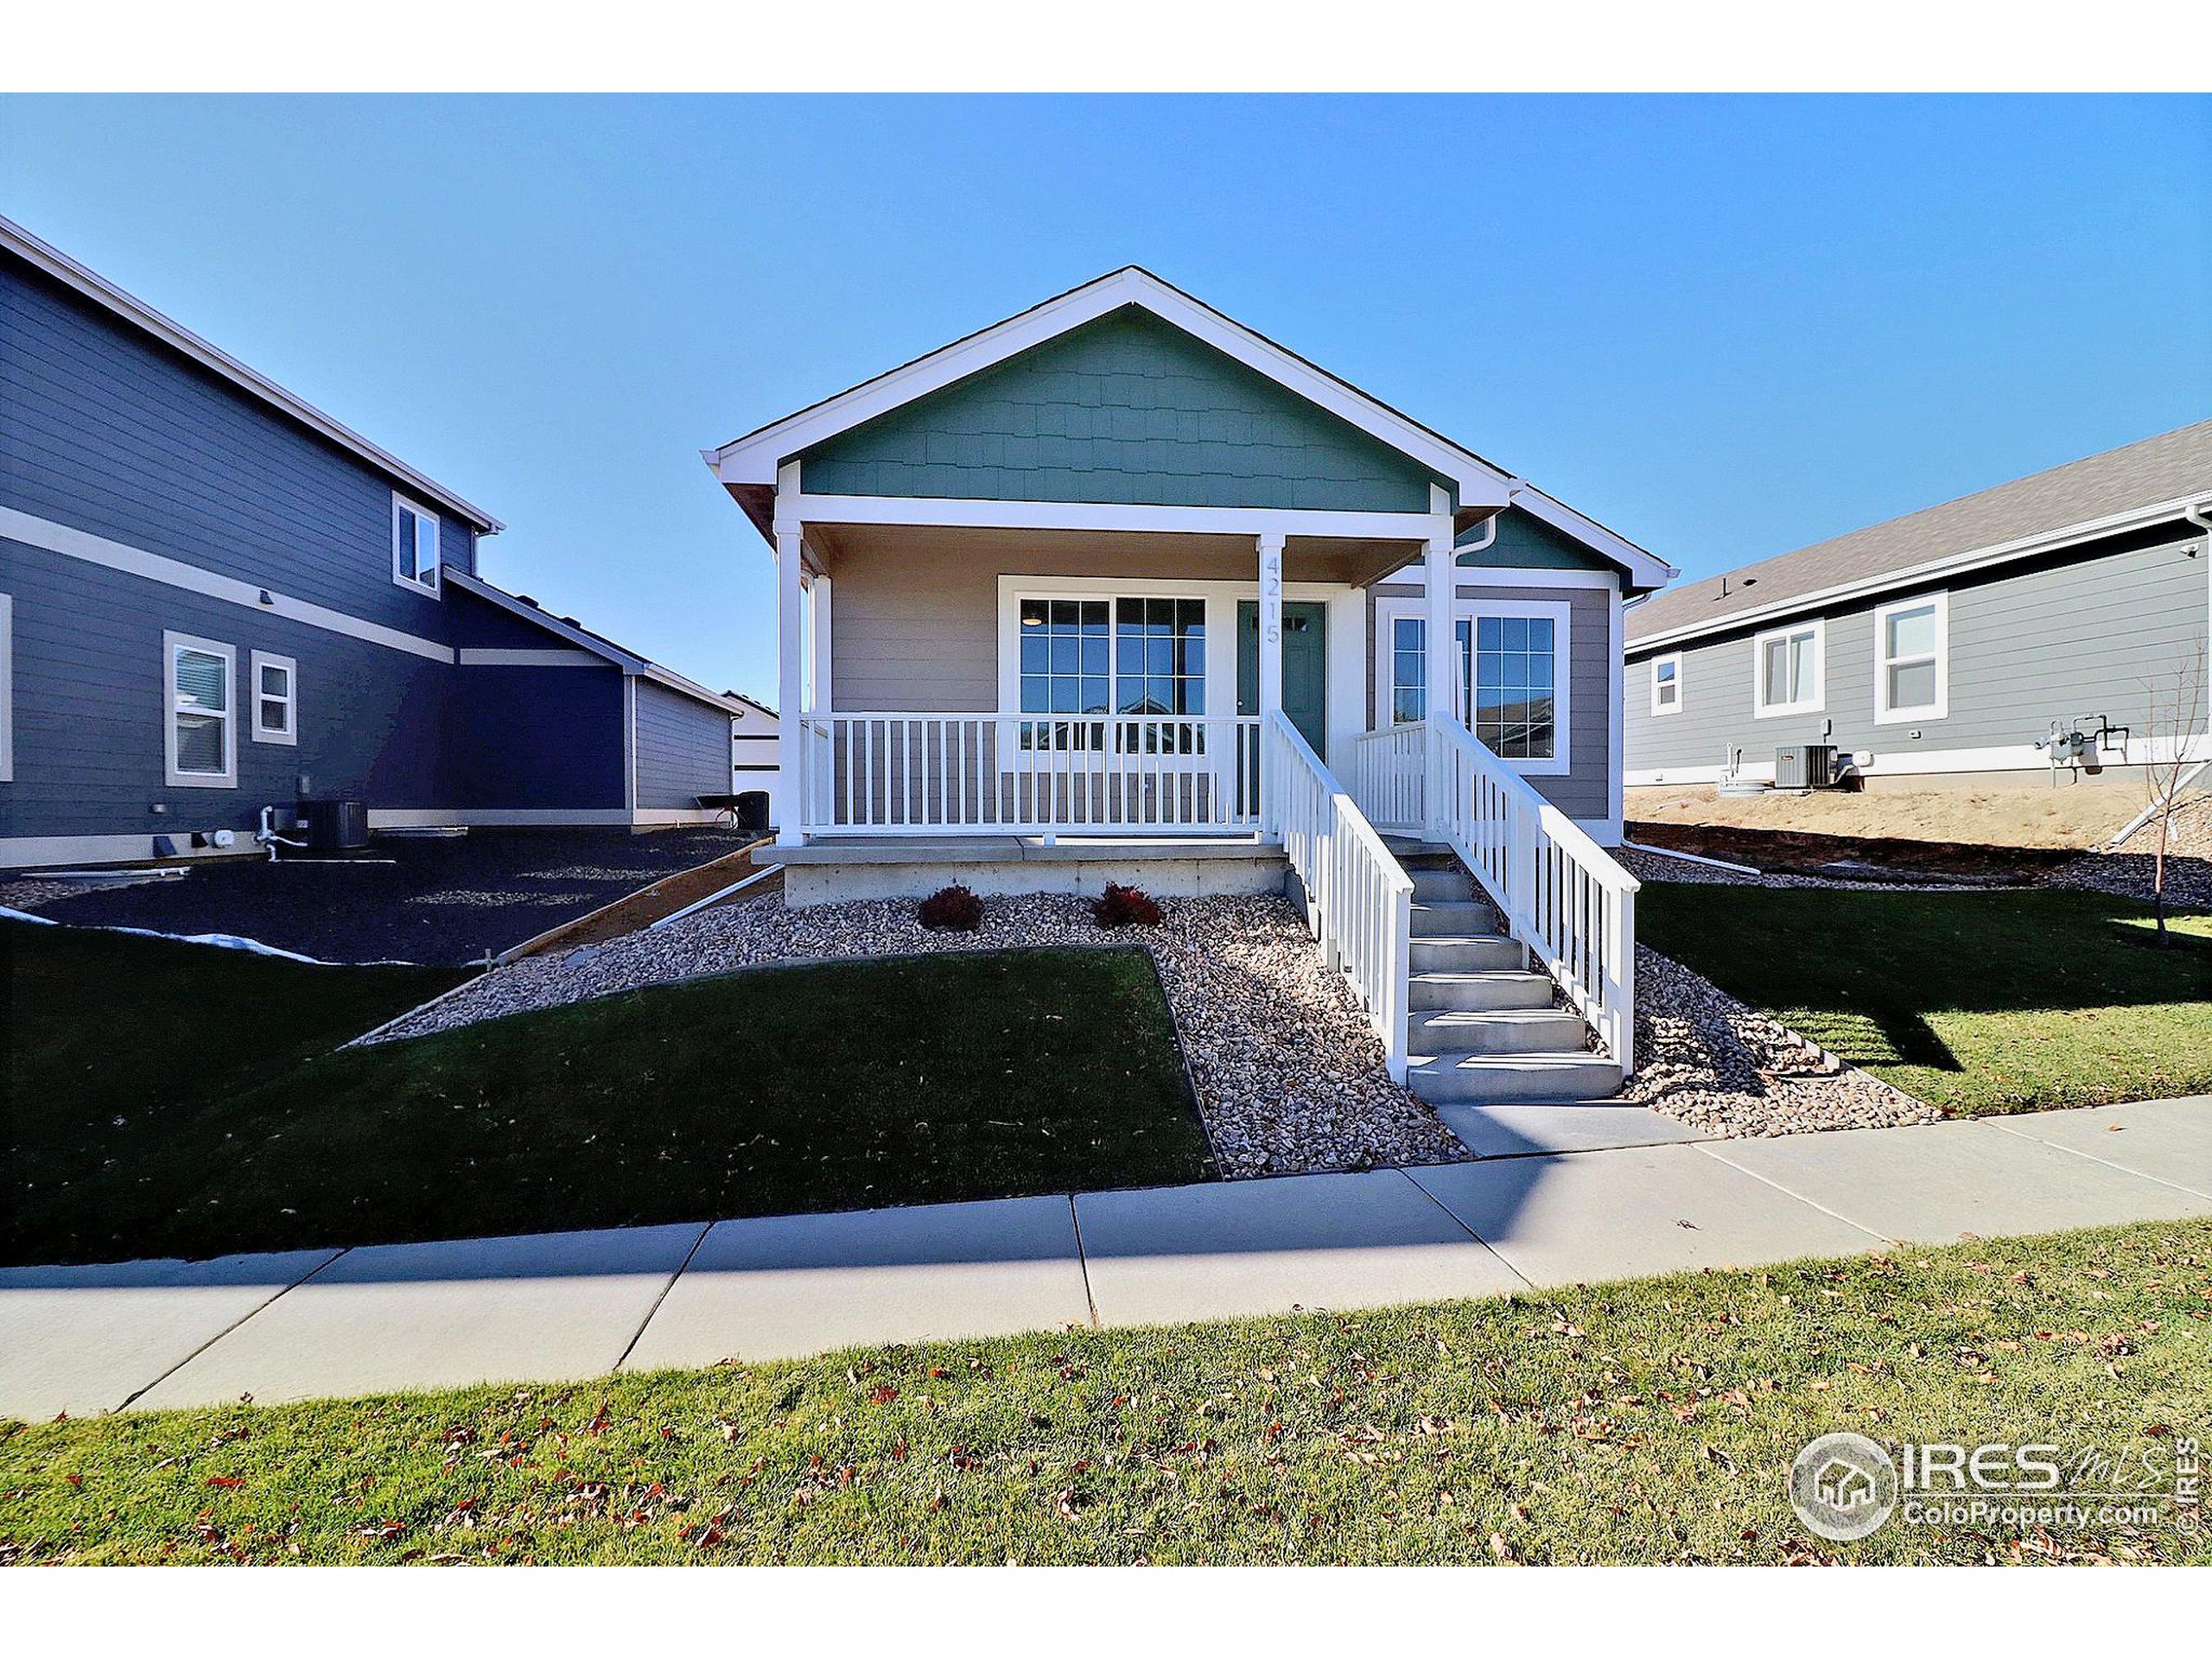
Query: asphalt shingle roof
[2164, 468]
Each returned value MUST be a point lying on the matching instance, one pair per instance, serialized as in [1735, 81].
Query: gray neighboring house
[1947, 644]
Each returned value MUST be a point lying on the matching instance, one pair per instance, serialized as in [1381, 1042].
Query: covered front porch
[988, 671]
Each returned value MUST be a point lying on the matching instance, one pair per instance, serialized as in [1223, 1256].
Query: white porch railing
[1561, 894]
[1358, 900]
[903, 774]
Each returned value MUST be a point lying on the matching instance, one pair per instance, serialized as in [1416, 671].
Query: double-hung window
[1512, 668]
[1667, 684]
[199, 724]
[1913, 666]
[1133, 655]
[1788, 672]
[275, 698]
[414, 545]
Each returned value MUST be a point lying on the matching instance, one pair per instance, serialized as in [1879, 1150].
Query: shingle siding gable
[1126, 409]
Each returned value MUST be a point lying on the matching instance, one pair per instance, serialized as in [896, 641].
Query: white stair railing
[1561, 894]
[1359, 899]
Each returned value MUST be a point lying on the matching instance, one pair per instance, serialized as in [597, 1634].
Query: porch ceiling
[1144, 555]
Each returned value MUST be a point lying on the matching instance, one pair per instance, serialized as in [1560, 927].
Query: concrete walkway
[560, 1306]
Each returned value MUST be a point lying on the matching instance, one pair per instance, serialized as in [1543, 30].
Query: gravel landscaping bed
[2130, 871]
[1289, 1077]
[440, 900]
[1724, 1067]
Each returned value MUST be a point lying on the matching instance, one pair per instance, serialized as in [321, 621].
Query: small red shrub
[954, 908]
[1120, 906]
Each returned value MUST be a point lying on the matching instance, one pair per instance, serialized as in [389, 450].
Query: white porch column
[791, 661]
[1270, 667]
[1441, 655]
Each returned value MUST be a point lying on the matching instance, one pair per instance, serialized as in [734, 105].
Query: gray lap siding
[2079, 635]
[683, 749]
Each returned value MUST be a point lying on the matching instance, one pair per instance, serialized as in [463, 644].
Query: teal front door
[1305, 667]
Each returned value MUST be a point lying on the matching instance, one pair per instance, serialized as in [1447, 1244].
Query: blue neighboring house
[215, 599]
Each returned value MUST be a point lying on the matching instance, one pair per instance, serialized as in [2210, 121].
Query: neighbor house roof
[568, 628]
[62, 269]
[2135, 486]
[747, 466]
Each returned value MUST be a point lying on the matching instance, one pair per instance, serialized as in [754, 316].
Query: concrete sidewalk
[562, 1306]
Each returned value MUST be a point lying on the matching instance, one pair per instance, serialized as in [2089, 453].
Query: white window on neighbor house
[1122, 655]
[7, 688]
[200, 731]
[1667, 684]
[1788, 671]
[275, 698]
[1912, 660]
[414, 545]
[1512, 663]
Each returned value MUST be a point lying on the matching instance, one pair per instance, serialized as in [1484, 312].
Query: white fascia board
[1645, 569]
[753, 459]
[972, 513]
[142, 317]
[2051, 541]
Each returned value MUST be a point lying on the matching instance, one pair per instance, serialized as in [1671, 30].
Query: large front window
[1509, 664]
[1133, 655]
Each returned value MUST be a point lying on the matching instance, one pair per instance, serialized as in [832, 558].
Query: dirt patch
[1856, 858]
[2010, 810]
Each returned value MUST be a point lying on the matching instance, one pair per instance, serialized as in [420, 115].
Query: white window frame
[1817, 703]
[1660, 705]
[1940, 708]
[290, 734]
[7, 688]
[173, 643]
[1471, 611]
[401, 505]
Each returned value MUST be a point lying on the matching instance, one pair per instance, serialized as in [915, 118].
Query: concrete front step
[1527, 1078]
[1442, 886]
[1432, 918]
[1464, 953]
[1494, 1030]
[1477, 993]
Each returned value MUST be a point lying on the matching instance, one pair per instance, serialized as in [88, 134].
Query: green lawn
[1649, 1421]
[1976, 1002]
[824, 1088]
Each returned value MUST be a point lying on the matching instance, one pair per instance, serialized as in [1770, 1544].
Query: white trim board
[964, 513]
[41, 852]
[1918, 762]
[496, 656]
[73, 544]
[97, 287]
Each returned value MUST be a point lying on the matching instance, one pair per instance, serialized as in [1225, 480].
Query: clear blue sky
[1725, 327]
